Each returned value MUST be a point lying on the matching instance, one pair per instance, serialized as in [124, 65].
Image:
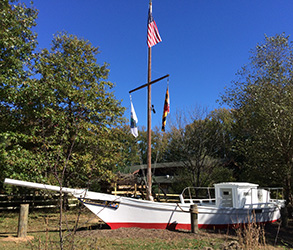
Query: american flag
[153, 33]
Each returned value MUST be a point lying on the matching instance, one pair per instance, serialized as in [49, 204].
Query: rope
[182, 209]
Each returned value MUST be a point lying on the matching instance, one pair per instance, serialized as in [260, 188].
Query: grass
[42, 229]
[131, 243]
[43, 233]
[147, 244]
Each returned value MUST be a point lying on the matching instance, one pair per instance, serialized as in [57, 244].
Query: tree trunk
[60, 220]
[288, 196]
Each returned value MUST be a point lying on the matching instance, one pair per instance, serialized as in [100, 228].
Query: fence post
[135, 190]
[115, 188]
[194, 218]
[23, 220]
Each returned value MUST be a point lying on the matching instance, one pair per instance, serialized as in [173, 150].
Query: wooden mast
[149, 121]
[149, 135]
[149, 126]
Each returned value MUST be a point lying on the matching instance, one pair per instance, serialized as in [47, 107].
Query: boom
[44, 186]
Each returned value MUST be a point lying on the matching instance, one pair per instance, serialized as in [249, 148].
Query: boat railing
[198, 195]
[259, 205]
[267, 201]
[276, 192]
[276, 195]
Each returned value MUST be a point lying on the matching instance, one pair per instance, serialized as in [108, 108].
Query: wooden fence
[38, 200]
[138, 191]
[35, 201]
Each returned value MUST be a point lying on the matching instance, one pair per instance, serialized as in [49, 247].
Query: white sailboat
[234, 203]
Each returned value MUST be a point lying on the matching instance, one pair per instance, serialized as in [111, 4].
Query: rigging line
[156, 72]
[181, 208]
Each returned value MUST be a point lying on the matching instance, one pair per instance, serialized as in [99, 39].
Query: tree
[129, 149]
[74, 111]
[262, 102]
[72, 116]
[224, 121]
[17, 43]
[197, 144]
[61, 118]
[64, 118]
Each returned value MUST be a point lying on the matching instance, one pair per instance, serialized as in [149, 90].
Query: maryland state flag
[166, 109]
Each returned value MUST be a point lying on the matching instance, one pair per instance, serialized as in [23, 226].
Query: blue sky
[205, 42]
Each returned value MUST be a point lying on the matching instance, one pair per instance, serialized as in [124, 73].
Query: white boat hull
[128, 212]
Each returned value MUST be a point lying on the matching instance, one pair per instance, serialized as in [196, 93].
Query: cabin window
[226, 197]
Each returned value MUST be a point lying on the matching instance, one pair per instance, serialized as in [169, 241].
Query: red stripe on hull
[171, 226]
[150, 225]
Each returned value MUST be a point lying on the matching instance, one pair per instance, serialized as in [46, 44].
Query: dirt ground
[91, 227]
[275, 235]
[162, 234]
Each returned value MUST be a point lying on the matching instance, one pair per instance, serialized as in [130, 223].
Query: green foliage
[262, 102]
[129, 154]
[221, 174]
[59, 116]
[19, 161]
[75, 112]
[17, 43]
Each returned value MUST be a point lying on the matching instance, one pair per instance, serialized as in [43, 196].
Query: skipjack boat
[234, 203]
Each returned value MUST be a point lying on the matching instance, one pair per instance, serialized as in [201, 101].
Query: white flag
[133, 121]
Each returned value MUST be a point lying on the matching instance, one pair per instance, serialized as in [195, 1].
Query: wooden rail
[35, 201]
[137, 191]
[44, 201]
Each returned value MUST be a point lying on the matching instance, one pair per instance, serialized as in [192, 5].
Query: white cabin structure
[240, 195]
